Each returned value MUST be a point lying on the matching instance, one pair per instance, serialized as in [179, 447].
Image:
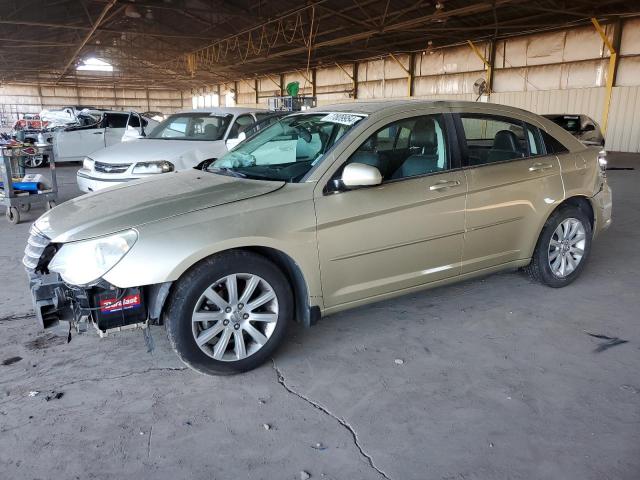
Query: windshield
[192, 126]
[287, 149]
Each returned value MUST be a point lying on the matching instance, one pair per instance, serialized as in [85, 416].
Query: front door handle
[538, 167]
[98, 133]
[444, 184]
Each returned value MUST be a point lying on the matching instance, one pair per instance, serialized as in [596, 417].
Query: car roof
[231, 110]
[371, 107]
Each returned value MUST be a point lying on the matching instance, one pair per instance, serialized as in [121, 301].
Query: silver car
[322, 211]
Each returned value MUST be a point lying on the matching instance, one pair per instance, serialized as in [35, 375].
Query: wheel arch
[305, 313]
[579, 201]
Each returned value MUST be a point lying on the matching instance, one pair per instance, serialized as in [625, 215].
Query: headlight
[161, 166]
[88, 163]
[84, 262]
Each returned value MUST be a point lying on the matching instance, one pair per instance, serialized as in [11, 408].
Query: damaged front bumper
[60, 307]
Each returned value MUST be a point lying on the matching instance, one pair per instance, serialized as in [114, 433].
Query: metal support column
[613, 66]
[408, 71]
[487, 63]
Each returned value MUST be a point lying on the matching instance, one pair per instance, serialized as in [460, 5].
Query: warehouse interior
[491, 378]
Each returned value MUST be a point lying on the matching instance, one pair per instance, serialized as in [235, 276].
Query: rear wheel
[229, 313]
[563, 248]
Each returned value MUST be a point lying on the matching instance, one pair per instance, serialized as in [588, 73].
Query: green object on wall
[293, 88]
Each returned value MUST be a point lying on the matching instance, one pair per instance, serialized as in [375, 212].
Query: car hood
[136, 203]
[147, 150]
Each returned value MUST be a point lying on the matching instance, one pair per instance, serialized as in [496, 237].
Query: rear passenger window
[551, 144]
[407, 148]
[491, 139]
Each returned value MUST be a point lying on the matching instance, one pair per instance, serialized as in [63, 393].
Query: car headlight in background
[88, 163]
[84, 262]
[161, 166]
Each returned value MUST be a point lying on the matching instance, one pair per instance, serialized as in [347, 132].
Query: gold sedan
[322, 211]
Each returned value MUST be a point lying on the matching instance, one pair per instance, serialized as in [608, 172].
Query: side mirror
[361, 175]
[589, 127]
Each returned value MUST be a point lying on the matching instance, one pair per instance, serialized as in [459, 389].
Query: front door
[406, 232]
[510, 182]
[74, 144]
[116, 124]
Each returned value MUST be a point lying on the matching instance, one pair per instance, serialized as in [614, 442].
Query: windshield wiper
[227, 171]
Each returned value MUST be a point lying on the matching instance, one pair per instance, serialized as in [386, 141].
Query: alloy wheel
[34, 161]
[235, 317]
[566, 247]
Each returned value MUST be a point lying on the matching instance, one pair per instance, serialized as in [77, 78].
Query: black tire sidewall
[188, 289]
[542, 250]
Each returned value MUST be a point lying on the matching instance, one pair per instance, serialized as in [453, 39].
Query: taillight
[602, 162]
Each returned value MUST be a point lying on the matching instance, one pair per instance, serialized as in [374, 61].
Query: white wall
[552, 72]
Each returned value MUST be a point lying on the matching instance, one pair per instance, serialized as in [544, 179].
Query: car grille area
[36, 244]
[111, 167]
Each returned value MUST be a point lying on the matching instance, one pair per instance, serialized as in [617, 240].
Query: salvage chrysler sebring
[322, 211]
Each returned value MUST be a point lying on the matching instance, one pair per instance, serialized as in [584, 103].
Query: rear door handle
[538, 167]
[98, 133]
[444, 184]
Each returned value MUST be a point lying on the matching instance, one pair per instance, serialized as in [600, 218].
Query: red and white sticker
[127, 303]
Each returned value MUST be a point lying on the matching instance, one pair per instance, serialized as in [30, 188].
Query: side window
[117, 120]
[406, 148]
[492, 139]
[242, 123]
[551, 144]
[134, 121]
[535, 141]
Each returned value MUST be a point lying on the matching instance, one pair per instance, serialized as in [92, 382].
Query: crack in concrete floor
[326, 411]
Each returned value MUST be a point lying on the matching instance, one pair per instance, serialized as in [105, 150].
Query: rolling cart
[18, 195]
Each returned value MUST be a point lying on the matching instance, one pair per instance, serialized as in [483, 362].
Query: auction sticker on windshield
[341, 118]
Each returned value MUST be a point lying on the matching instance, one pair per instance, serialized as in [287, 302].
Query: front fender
[168, 248]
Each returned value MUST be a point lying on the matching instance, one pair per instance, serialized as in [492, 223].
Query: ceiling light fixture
[132, 12]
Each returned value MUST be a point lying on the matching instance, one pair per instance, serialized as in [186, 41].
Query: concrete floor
[499, 381]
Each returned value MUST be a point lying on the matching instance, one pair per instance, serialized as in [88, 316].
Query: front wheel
[563, 248]
[228, 314]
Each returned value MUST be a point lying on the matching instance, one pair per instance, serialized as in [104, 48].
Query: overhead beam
[87, 37]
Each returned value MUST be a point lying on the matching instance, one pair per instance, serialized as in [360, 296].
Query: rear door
[406, 232]
[511, 183]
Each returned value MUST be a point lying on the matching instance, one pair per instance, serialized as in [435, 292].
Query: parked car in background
[183, 141]
[582, 127]
[97, 129]
[264, 120]
[322, 211]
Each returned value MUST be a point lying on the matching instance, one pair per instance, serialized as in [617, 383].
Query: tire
[188, 302]
[547, 262]
[13, 215]
[35, 161]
